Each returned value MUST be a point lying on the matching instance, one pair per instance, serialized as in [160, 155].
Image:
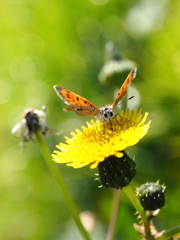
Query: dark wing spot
[67, 95]
[77, 98]
[85, 101]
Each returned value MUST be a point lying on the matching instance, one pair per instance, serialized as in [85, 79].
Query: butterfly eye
[105, 115]
[111, 114]
[108, 113]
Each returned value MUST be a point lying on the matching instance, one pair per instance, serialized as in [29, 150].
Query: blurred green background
[45, 42]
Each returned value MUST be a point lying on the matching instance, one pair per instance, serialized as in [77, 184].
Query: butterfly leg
[111, 125]
[117, 120]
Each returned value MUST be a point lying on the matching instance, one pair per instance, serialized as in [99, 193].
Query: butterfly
[83, 107]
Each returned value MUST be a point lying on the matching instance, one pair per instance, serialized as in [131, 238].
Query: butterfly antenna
[129, 98]
[125, 100]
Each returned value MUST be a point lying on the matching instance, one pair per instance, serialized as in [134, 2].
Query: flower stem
[167, 234]
[61, 185]
[115, 206]
[132, 197]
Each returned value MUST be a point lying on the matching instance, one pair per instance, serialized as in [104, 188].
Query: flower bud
[151, 196]
[117, 172]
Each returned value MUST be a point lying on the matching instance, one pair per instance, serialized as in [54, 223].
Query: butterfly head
[105, 113]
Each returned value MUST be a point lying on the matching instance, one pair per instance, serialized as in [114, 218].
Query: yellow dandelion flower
[100, 142]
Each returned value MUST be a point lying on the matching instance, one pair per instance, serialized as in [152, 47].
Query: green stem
[132, 197]
[62, 187]
[167, 234]
[115, 207]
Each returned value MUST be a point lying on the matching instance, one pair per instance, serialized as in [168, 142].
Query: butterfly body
[84, 107]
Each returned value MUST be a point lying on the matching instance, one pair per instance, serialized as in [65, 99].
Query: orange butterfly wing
[82, 110]
[71, 98]
[124, 87]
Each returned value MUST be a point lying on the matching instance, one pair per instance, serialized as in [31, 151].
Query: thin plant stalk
[61, 185]
[132, 197]
[114, 213]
